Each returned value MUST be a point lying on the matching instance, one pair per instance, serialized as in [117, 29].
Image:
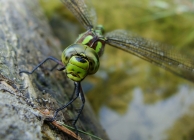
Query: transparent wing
[92, 12]
[161, 55]
[81, 12]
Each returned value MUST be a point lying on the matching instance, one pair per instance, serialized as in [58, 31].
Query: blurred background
[133, 99]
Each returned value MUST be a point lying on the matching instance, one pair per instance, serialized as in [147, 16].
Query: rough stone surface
[25, 40]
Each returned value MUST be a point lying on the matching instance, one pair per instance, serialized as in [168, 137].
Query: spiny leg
[62, 68]
[80, 110]
[59, 69]
[54, 67]
[48, 58]
[76, 91]
[72, 95]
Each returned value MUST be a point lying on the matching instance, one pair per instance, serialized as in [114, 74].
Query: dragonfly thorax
[80, 61]
[99, 30]
[94, 39]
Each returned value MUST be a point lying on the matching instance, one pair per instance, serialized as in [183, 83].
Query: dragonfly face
[80, 60]
[77, 68]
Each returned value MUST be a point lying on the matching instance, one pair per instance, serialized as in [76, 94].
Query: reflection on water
[147, 121]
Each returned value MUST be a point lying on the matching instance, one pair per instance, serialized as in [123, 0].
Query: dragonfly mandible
[82, 57]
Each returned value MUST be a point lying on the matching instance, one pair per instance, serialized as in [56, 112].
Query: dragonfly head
[99, 30]
[80, 60]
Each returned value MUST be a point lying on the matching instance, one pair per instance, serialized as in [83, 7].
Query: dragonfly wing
[80, 11]
[159, 54]
[92, 12]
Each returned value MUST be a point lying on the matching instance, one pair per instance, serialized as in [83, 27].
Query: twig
[66, 130]
[59, 126]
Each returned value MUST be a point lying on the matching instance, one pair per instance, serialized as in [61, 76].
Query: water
[147, 121]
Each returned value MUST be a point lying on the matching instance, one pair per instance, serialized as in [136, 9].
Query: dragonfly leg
[54, 67]
[61, 69]
[48, 58]
[76, 91]
[71, 105]
[80, 110]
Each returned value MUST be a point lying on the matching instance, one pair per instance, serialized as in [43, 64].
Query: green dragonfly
[82, 57]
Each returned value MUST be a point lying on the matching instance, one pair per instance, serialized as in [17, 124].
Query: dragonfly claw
[75, 127]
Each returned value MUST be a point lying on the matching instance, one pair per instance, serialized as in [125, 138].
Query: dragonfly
[81, 58]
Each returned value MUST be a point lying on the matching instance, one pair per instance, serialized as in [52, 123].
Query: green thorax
[94, 39]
